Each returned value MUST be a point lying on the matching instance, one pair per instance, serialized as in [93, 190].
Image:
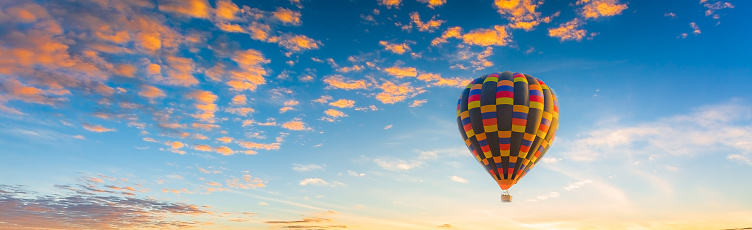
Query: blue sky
[301, 114]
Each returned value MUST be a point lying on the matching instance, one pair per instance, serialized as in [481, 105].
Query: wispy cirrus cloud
[703, 131]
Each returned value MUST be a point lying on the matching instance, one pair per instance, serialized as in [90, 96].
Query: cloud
[390, 3]
[225, 139]
[239, 100]
[306, 168]
[205, 104]
[224, 150]
[576, 185]
[600, 8]
[695, 28]
[347, 69]
[333, 114]
[709, 129]
[397, 165]
[433, 3]
[521, 14]
[287, 16]
[192, 8]
[431, 25]
[388, 126]
[250, 73]
[418, 103]
[437, 80]
[96, 128]
[295, 43]
[395, 48]
[83, 207]
[568, 31]
[401, 72]
[318, 182]
[740, 158]
[204, 148]
[452, 32]
[296, 125]
[337, 81]
[253, 145]
[486, 37]
[547, 196]
[263, 203]
[151, 92]
[393, 93]
[247, 182]
[343, 103]
[14, 89]
[458, 179]
[719, 5]
[175, 144]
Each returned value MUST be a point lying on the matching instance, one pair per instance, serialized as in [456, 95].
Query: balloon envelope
[508, 121]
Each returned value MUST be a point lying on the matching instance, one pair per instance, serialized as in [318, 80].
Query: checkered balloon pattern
[508, 121]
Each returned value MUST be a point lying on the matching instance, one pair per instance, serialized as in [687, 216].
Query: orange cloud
[250, 73]
[481, 62]
[323, 99]
[417, 103]
[192, 8]
[487, 37]
[430, 26]
[204, 148]
[295, 43]
[296, 125]
[395, 48]
[287, 16]
[224, 150]
[433, 3]
[151, 92]
[400, 72]
[180, 71]
[239, 100]
[14, 89]
[96, 128]
[600, 8]
[390, 3]
[225, 139]
[253, 145]
[395, 93]
[568, 31]
[205, 105]
[243, 111]
[175, 144]
[332, 115]
[343, 103]
[226, 10]
[521, 14]
[452, 32]
[339, 82]
[349, 69]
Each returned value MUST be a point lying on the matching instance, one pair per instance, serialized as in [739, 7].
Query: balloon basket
[505, 197]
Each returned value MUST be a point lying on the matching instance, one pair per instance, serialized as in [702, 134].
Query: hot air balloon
[508, 122]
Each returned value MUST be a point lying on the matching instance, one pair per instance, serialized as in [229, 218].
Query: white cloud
[308, 167]
[397, 165]
[263, 203]
[320, 182]
[458, 179]
[314, 181]
[739, 158]
[709, 129]
[576, 185]
[353, 173]
[547, 196]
